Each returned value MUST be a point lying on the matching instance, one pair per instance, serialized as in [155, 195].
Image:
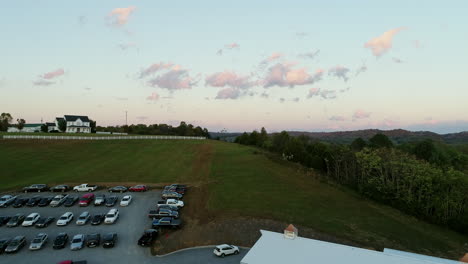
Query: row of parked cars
[35, 219]
[77, 242]
[63, 199]
[85, 187]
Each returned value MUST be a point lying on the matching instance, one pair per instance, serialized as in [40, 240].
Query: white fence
[99, 138]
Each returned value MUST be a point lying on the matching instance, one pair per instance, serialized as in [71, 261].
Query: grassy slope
[241, 182]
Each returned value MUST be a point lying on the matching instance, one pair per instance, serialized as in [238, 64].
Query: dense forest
[425, 178]
[183, 129]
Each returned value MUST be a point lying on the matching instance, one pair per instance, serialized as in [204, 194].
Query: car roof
[67, 213]
[113, 210]
[127, 196]
[223, 245]
[33, 214]
[88, 195]
[84, 213]
[18, 237]
[78, 236]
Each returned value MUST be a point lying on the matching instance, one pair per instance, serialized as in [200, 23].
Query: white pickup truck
[85, 188]
[172, 202]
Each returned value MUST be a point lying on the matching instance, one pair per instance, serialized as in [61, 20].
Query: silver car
[38, 241]
[77, 242]
[83, 218]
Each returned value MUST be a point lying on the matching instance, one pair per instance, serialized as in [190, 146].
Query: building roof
[59, 118]
[33, 125]
[75, 117]
[419, 256]
[273, 248]
[50, 124]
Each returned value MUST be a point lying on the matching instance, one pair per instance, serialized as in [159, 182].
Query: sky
[239, 65]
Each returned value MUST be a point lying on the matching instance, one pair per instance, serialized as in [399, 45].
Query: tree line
[183, 129]
[426, 179]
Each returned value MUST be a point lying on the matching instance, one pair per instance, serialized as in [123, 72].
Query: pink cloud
[232, 46]
[153, 97]
[313, 92]
[53, 74]
[227, 78]
[228, 93]
[324, 93]
[154, 68]
[339, 72]
[274, 56]
[381, 44]
[282, 74]
[361, 114]
[175, 79]
[121, 15]
[337, 118]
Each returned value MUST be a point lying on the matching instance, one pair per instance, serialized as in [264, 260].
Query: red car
[86, 199]
[138, 188]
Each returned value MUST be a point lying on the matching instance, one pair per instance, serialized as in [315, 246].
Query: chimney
[290, 232]
[464, 258]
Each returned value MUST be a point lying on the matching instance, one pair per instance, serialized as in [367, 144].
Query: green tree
[21, 123]
[380, 141]
[358, 144]
[92, 124]
[62, 125]
[44, 128]
[263, 138]
[5, 120]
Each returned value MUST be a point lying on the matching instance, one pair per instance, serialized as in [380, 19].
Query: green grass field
[241, 181]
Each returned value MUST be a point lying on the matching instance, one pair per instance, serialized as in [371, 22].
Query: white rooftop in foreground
[274, 248]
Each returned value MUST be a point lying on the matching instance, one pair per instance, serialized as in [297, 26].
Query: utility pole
[126, 123]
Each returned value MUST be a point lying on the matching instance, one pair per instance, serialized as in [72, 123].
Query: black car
[60, 241]
[45, 201]
[15, 244]
[20, 202]
[109, 240]
[169, 207]
[97, 219]
[33, 201]
[44, 221]
[148, 237]
[4, 219]
[16, 220]
[119, 189]
[111, 200]
[70, 201]
[3, 244]
[60, 188]
[36, 188]
[93, 240]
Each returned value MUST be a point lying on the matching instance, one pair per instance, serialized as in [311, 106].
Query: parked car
[4, 219]
[39, 241]
[45, 221]
[174, 202]
[119, 189]
[166, 222]
[16, 220]
[77, 242]
[97, 219]
[7, 200]
[3, 244]
[148, 237]
[73, 262]
[180, 188]
[85, 188]
[111, 216]
[109, 240]
[33, 201]
[126, 200]
[169, 195]
[93, 240]
[83, 218]
[58, 200]
[225, 249]
[161, 212]
[100, 199]
[45, 201]
[168, 206]
[60, 241]
[65, 219]
[60, 188]
[20, 202]
[36, 188]
[31, 219]
[138, 188]
[15, 244]
[111, 200]
[86, 199]
[70, 201]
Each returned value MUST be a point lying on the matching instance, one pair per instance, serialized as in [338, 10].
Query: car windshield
[14, 243]
[125, 199]
[29, 218]
[110, 215]
[108, 236]
[76, 240]
[37, 240]
[63, 218]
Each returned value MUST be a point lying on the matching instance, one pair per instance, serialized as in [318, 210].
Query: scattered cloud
[126, 46]
[282, 74]
[282, 100]
[153, 97]
[360, 114]
[397, 60]
[309, 55]
[301, 34]
[361, 69]
[82, 20]
[174, 79]
[120, 16]
[417, 44]
[142, 118]
[43, 83]
[328, 94]
[121, 98]
[313, 92]
[381, 44]
[87, 88]
[230, 79]
[219, 52]
[228, 93]
[230, 46]
[337, 118]
[264, 95]
[296, 99]
[339, 72]
[53, 74]
[154, 68]
[345, 89]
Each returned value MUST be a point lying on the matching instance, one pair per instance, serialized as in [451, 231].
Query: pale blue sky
[420, 82]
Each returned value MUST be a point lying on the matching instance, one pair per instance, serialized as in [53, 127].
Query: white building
[28, 128]
[277, 248]
[75, 124]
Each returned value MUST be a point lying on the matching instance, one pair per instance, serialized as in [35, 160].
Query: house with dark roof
[75, 124]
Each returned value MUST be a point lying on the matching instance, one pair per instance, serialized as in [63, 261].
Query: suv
[83, 218]
[111, 216]
[65, 219]
[225, 249]
[100, 199]
[86, 199]
[58, 200]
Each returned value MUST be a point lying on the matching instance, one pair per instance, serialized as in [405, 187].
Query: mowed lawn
[241, 181]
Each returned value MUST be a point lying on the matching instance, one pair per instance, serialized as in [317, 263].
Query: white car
[111, 216]
[6, 200]
[65, 219]
[77, 242]
[31, 219]
[58, 200]
[126, 200]
[225, 249]
[175, 202]
[38, 241]
[83, 218]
